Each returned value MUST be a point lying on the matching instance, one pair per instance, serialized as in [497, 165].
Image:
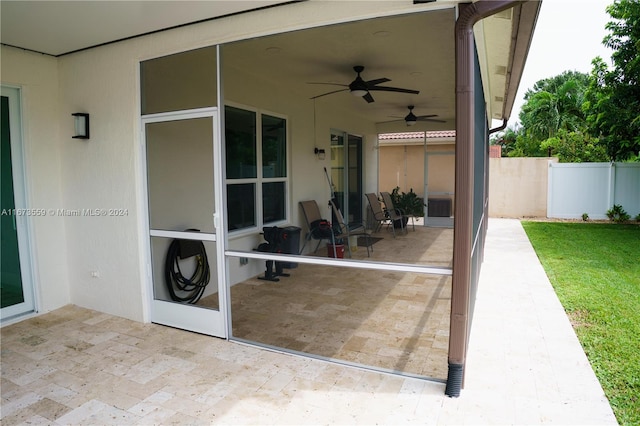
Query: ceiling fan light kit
[411, 118]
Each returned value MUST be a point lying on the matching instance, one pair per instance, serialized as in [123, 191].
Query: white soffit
[495, 32]
[59, 27]
[503, 41]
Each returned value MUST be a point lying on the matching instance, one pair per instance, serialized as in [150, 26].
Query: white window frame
[259, 179]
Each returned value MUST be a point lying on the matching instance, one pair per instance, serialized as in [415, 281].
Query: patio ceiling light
[358, 87]
[411, 119]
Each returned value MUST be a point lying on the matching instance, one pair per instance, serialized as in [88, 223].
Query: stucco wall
[37, 77]
[518, 187]
[106, 171]
[403, 166]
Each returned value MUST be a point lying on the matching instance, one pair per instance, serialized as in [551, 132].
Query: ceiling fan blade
[431, 119]
[331, 84]
[329, 93]
[390, 121]
[378, 81]
[394, 89]
[418, 119]
[358, 86]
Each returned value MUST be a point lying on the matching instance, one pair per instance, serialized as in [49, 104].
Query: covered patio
[391, 320]
[213, 129]
[79, 366]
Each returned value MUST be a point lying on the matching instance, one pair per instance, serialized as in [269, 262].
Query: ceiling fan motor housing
[358, 87]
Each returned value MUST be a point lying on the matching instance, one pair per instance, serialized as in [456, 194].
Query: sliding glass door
[346, 174]
[16, 284]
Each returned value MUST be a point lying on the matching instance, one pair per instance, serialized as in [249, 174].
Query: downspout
[463, 219]
[500, 127]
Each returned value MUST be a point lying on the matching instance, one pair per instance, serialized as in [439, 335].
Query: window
[256, 196]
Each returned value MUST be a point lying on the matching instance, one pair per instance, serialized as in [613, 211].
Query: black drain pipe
[470, 13]
[500, 127]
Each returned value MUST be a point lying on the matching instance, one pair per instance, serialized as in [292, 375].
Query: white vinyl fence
[592, 188]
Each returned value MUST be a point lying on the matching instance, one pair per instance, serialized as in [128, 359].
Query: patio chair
[394, 214]
[379, 216]
[317, 227]
[346, 230]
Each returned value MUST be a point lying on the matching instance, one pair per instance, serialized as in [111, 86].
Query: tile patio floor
[392, 320]
[525, 366]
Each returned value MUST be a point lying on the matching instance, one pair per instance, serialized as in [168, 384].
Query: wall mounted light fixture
[319, 153]
[81, 125]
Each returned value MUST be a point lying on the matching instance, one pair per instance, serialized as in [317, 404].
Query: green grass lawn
[595, 271]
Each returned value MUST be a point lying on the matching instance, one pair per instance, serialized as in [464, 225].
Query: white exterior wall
[105, 171]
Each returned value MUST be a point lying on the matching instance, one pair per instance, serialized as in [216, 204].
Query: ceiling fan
[412, 119]
[359, 87]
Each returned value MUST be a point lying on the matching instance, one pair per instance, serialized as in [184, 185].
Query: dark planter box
[400, 223]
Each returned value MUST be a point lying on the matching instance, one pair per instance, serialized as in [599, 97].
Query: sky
[568, 35]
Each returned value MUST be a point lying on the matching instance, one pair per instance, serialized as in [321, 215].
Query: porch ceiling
[414, 51]
[60, 27]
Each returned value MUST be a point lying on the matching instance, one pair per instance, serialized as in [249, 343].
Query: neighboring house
[403, 159]
[200, 116]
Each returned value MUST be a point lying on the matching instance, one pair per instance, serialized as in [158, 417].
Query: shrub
[585, 216]
[617, 214]
[408, 202]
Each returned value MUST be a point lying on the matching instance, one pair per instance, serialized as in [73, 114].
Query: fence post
[612, 185]
[550, 189]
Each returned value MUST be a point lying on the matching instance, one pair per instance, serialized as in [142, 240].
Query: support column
[463, 218]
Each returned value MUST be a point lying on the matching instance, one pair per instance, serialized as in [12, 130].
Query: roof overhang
[417, 53]
[503, 40]
[61, 27]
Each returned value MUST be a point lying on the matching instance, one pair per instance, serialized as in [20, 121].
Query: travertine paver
[525, 366]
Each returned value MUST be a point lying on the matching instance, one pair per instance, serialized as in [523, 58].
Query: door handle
[216, 221]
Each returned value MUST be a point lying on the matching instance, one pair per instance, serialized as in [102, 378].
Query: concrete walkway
[525, 367]
[525, 364]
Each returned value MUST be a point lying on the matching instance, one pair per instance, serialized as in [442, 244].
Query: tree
[506, 139]
[554, 123]
[554, 103]
[526, 146]
[612, 100]
[576, 147]
[516, 143]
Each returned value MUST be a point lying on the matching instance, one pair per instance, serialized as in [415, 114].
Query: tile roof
[418, 135]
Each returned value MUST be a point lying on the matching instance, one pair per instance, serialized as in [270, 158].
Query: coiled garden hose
[182, 289]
